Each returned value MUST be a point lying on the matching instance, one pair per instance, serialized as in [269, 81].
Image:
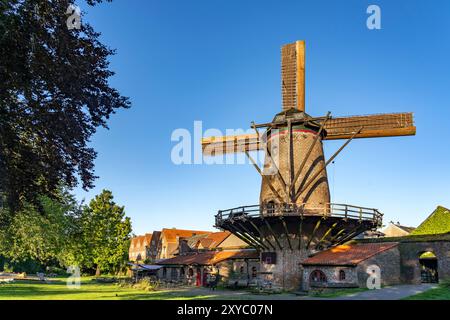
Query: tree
[93, 237]
[106, 233]
[49, 238]
[54, 94]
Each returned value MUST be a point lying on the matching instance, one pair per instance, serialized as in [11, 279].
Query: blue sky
[219, 62]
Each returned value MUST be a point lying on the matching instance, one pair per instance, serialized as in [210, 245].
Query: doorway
[428, 267]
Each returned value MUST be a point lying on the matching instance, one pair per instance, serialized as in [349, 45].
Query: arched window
[318, 276]
[341, 275]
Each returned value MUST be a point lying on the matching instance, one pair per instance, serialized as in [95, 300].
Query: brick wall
[332, 274]
[409, 263]
[389, 263]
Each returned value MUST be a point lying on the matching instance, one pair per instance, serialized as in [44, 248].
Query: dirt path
[388, 293]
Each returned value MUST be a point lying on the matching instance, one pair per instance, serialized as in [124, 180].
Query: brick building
[210, 253]
[169, 242]
[346, 266]
[139, 248]
[193, 268]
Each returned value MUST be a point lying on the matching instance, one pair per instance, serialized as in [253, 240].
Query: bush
[56, 270]
[146, 284]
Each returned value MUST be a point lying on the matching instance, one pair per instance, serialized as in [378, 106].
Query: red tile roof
[349, 254]
[210, 257]
[214, 239]
[172, 234]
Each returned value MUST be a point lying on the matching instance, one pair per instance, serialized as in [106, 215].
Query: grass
[440, 293]
[337, 292]
[57, 289]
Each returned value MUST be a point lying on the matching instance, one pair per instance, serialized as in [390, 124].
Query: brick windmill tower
[294, 218]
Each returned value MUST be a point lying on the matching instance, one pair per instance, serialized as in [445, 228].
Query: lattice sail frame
[374, 126]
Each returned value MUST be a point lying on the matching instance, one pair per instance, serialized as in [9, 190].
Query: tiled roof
[349, 254]
[172, 234]
[214, 239]
[147, 239]
[210, 257]
[136, 243]
[193, 241]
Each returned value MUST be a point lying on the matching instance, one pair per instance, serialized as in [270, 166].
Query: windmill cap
[298, 117]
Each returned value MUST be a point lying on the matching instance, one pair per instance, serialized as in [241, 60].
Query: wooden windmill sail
[293, 92]
[283, 186]
[294, 217]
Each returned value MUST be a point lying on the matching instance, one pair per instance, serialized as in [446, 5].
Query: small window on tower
[271, 207]
[254, 272]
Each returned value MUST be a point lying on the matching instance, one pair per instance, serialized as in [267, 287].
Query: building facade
[139, 248]
[349, 266]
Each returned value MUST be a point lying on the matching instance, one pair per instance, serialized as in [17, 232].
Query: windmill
[294, 218]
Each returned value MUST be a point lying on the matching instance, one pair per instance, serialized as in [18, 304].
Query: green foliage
[54, 94]
[437, 223]
[442, 292]
[106, 233]
[66, 234]
[146, 284]
[34, 239]
[333, 293]
[427, 255]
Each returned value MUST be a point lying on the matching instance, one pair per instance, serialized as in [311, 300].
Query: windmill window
[254, 272]
[271, 207]
[269, 257]
[341, 275]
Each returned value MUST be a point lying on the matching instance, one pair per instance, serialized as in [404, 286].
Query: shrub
[146, 284]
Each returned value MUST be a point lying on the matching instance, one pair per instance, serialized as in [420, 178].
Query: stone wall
[409, 262]
[224, 268]
[332, 274]
[287, 271]
[389, 263]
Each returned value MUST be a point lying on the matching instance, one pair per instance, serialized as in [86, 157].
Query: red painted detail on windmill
[294, 130]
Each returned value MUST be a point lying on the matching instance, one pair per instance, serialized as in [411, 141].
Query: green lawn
[440, 293]
[337, 292]
[57, 289]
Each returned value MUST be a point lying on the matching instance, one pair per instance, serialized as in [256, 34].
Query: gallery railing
[344, 211]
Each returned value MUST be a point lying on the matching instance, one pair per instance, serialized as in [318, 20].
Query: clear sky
[219, 62]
